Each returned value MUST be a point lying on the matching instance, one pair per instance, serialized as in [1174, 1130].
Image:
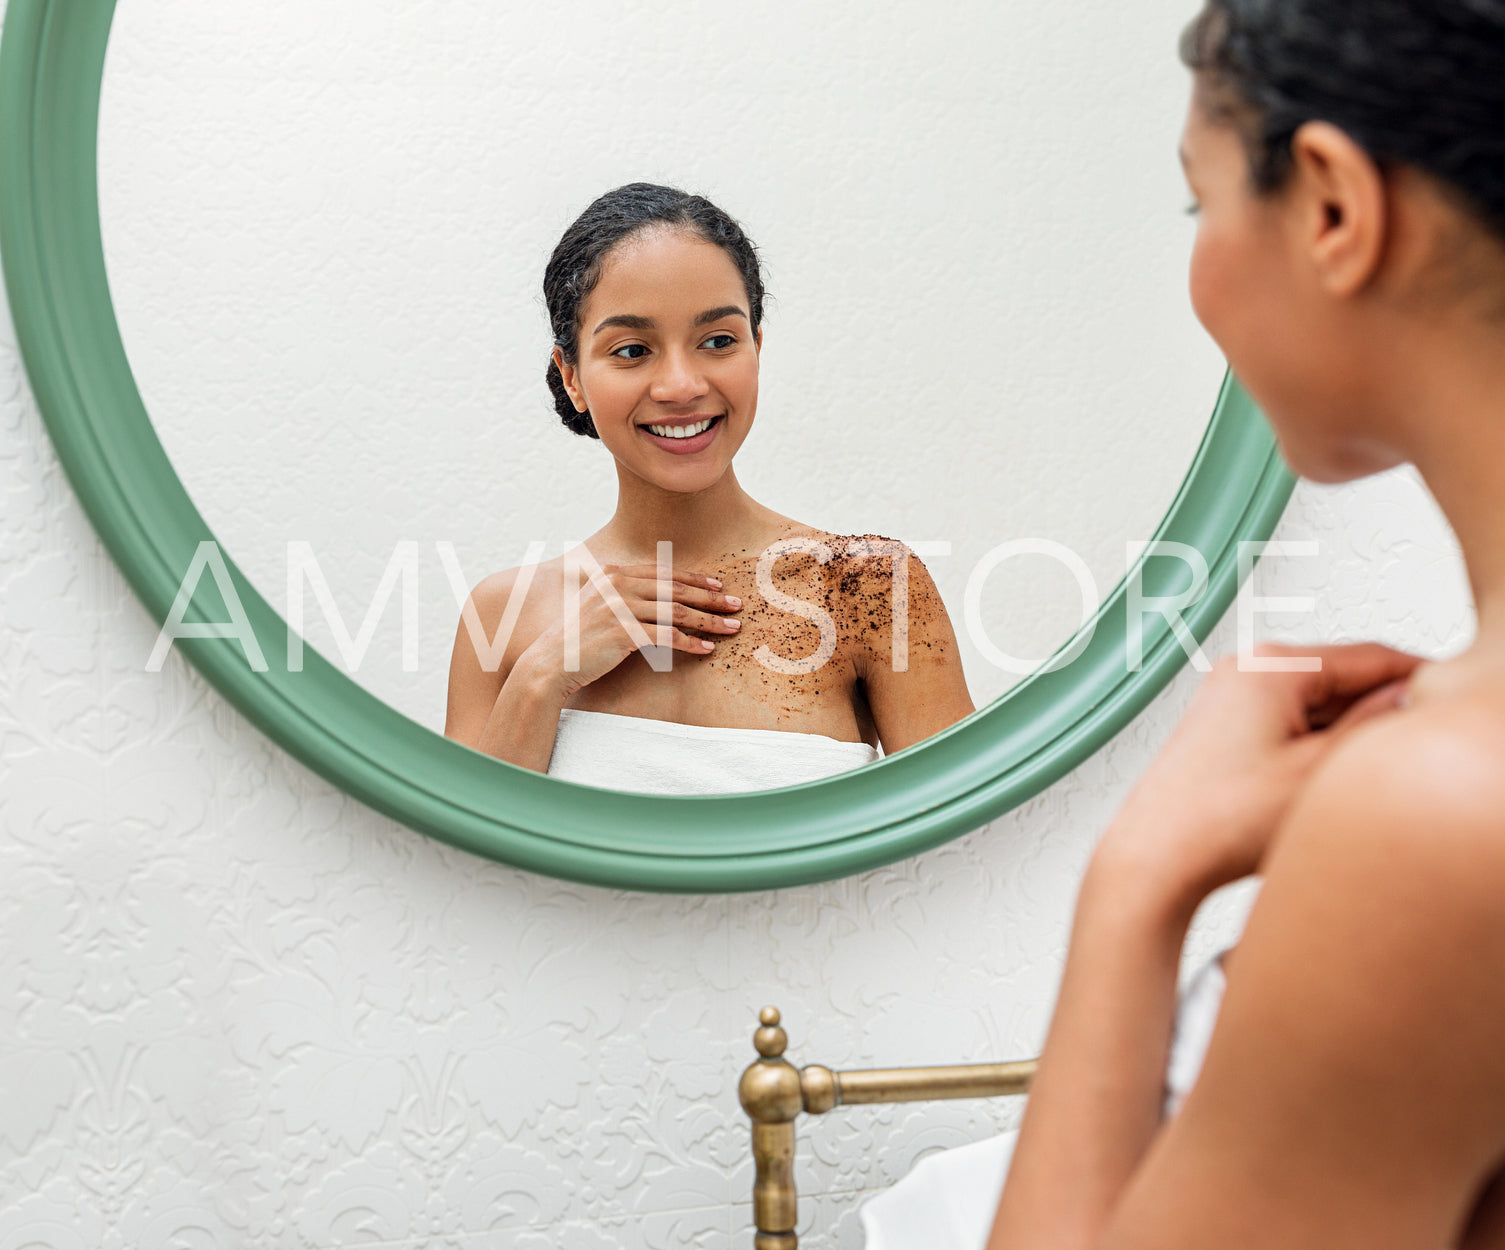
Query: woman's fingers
[693, 618]
[649, 581]
[665, 573]
[671, 603]
[1348, 672]
[1349, 676]
[669, 636]
[1386, 698]
[691, 607]
[1332, 712]
[681, 619]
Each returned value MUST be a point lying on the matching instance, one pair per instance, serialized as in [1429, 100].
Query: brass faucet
[773, 1093]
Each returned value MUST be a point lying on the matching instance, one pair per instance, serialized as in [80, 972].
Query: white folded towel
[663, 757]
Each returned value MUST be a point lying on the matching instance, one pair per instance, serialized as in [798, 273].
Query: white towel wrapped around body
[947, 1201]
[663, 757]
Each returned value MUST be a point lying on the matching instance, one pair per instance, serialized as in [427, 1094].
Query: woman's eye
[718, 341]
[638, 350]
[1193, 209]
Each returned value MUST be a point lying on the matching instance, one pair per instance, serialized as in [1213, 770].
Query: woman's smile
[683, 436]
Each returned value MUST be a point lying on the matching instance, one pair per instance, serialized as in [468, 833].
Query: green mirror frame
[51, 64]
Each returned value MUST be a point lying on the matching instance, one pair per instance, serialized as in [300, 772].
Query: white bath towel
[947, 1201]
[662, 757]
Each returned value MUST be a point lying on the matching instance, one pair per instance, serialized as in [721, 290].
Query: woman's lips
[684, 446]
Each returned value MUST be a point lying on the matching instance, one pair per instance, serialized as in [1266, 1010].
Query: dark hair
[1414, 82]
[575, 267]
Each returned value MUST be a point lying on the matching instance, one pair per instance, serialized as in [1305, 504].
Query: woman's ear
[1345, 210]
[571, 376]
[758, 338]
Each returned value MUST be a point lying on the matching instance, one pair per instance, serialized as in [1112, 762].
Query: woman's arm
[1204, 815]
[1095, 1101]
[509, 709]
[908, 659]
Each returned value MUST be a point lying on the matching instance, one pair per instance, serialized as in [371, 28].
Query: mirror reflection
[327, 264]
[800, 652]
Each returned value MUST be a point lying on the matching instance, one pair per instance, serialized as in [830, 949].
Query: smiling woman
[816, 649]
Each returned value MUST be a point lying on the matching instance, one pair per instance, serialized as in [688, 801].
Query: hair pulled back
[1414, 82]
[575, 267]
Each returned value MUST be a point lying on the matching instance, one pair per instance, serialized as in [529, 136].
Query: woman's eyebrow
[628, 320]
[715, 314]
[633, 322]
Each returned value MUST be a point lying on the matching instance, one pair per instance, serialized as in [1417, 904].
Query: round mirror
[325, 261]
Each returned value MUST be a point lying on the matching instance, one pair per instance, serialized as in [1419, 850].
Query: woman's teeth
[682, 431]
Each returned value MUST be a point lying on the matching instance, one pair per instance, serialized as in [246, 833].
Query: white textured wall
[240, 1011]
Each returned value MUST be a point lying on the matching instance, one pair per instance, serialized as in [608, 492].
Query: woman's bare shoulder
[870, 557]
[1401, 835]
[1432, 774]
[873, 568]
[493, 592]
[847, 562]
[864, 577]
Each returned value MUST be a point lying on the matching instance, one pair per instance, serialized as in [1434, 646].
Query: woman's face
[668, 361]
[1257, 291]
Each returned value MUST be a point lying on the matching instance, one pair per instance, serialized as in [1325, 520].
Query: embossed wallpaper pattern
[238, 1010]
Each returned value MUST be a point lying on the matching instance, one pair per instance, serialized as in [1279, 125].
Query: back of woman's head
[1415, 82]
[575, 267]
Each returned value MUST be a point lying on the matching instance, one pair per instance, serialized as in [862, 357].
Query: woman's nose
[678, 379]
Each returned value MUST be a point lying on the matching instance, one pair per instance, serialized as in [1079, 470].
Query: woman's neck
[704, 524]
[1456, 433]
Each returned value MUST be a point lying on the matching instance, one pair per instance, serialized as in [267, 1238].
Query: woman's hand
[1205, 812]
[617, 613]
